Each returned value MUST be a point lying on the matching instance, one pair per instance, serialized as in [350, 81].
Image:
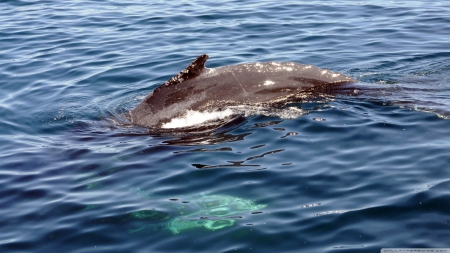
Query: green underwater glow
[211, 212]
[176, 225]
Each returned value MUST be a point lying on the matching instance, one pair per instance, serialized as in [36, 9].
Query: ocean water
[353, 174]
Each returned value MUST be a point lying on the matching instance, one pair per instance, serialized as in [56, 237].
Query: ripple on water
[358, 173]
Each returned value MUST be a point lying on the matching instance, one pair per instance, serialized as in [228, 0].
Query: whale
[200, 89]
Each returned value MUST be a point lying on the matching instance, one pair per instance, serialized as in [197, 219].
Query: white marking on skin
[275, 63]
[323, 72]
[308, 67]
[268, 82]
[239, 82]
[335, 75]
[289, 69]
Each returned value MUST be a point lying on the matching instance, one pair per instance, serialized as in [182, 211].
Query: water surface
[354, 174]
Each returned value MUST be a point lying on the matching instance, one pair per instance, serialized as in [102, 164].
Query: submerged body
[197, 88]
[212, 212]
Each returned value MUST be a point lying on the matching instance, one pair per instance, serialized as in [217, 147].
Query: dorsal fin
[194, 69]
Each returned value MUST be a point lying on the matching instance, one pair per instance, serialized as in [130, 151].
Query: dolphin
[200, 89]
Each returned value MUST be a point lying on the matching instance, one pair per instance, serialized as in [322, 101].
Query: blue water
[355, 174]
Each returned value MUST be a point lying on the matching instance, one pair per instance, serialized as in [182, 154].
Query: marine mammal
[213, 212]
[197, 88]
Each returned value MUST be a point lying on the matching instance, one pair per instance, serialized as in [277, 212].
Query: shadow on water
[413, 95]
[423, 88]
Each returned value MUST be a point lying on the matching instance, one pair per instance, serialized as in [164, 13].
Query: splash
[192, 118]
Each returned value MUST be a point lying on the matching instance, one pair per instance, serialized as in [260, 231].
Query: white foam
[192, 118]
[284, 113]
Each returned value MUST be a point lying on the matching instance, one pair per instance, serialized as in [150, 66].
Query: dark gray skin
[199, 88]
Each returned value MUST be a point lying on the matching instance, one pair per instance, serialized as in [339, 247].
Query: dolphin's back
[278, 79]
[199, 88]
